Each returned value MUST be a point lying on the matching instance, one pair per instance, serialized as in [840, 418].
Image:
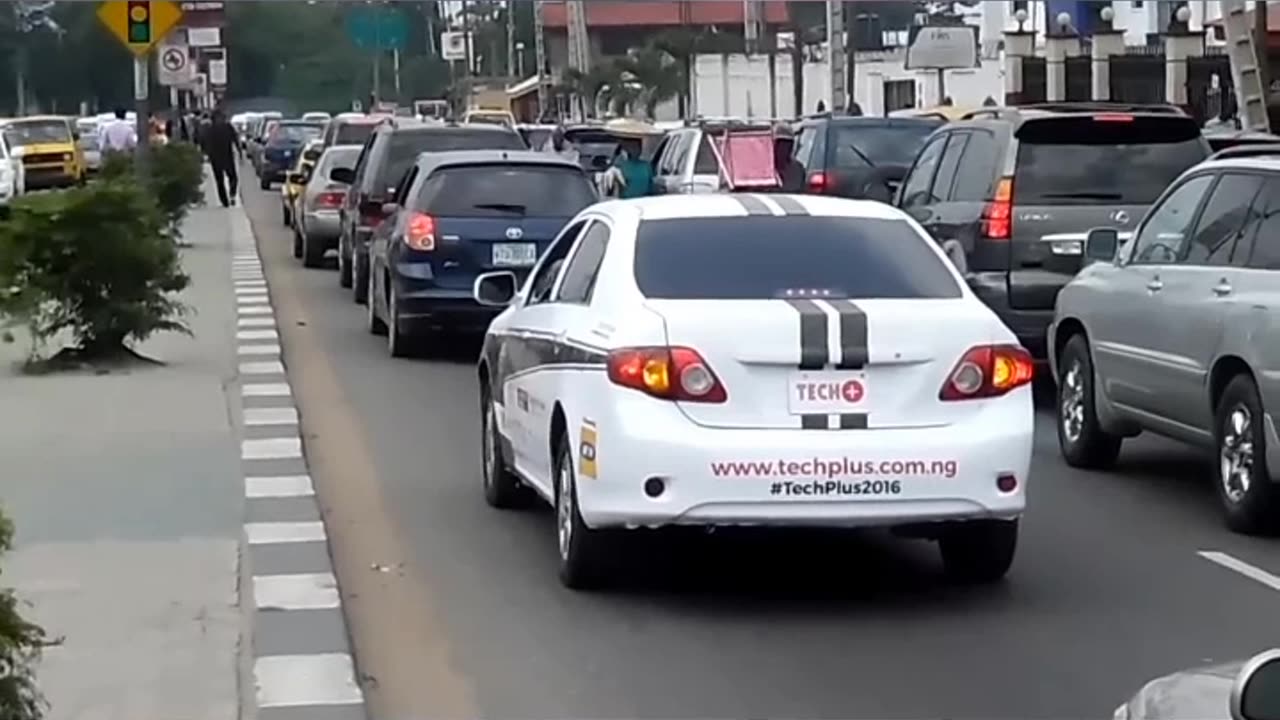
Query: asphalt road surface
[456, 610]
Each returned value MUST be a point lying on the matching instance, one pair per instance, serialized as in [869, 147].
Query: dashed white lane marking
[257, 335]
[256, 322]
[254, 299]
[293, 680]
[247, 276]
[266, 390]
[257, 417]
[311, 591]
[281, 448]
[255, 310]
[278, 486]
[263, 367]
[1242, 567]
[267, 349]
[270, 533]
[250, 288]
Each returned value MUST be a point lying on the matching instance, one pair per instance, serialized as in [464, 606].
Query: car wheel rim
[1071, 405]
[1235, 457]
[564, 508]
[488, 443]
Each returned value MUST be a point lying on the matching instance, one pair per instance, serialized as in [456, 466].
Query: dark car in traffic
[859, 157]
[455, 216]
[1011, 194]
[389, 152]
[282, 147]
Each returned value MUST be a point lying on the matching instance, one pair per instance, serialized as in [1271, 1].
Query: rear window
[340, 157]
[406, 146]
[295, 133]
[743, 258]
[1089, 161]
[482, 190]
[354, 133]
[862, 145]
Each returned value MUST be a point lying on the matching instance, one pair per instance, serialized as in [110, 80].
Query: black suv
[858, 157]
[391, 150]
[1011, 193]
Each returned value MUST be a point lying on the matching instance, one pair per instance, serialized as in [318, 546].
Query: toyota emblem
[1120, 216]
[514, 233]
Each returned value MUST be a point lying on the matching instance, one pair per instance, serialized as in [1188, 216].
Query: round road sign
[174, 59]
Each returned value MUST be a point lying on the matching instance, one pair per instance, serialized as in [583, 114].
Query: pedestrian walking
[222, 148]
[119, 135]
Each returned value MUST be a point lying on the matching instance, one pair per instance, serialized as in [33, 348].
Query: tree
[659, 76]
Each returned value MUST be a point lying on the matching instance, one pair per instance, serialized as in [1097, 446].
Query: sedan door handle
[1222, 288]
[1155, 285]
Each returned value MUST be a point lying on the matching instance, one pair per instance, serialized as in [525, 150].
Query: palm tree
[659, 75]
[586, 87]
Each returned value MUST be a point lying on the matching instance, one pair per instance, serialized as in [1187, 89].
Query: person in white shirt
[119, 135]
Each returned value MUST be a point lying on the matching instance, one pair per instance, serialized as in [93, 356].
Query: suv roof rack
[1248, 151]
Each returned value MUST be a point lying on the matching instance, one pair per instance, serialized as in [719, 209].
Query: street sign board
[453, 45]
[218, 72]
[176, 68]
[375, 27]
[139, 24]
[204, 36]
[942, 47]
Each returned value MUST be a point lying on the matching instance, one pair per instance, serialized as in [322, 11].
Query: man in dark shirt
[220, 145]
[790, 171]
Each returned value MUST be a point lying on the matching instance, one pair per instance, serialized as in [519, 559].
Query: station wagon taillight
[997, 216]
[330, 200]
[420, 232]
[988, 371]
[668, 373]
[818, 182]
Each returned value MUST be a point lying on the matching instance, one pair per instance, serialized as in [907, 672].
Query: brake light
[988, 371]
[997, 216]
[817, 182]
[1112, 117]
[330, 199]
[420, 233]
[669, 373]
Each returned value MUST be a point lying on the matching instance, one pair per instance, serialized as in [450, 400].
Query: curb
[301, 653]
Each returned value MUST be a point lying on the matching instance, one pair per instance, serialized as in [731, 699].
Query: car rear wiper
[861, 154]
[508, 207]
[1084, 195]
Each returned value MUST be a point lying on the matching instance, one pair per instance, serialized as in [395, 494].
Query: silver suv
[1176, 330]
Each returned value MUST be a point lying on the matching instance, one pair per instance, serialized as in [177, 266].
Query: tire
[374, 323]
[285, 216]
[1083, 442]
[582, 551]
[979, 551]
[297, 243]
[312, 253]
[359, 278]
[397, 340]
[502, 489]
[344, 268]
[264, 183]
[1251, 507]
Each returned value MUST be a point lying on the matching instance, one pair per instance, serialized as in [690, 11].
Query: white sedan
[754, 360]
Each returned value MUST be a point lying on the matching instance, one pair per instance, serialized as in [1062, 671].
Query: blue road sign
[375, 27]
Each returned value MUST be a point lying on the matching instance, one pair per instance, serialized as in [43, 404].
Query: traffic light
[139, 21]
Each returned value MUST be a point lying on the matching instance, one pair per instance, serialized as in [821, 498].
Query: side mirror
[346, 176]
[1256, 693]
[389, 209]
[1101, 244]
[495, 289]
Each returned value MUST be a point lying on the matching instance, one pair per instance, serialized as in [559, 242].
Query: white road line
[258, 417]
[268, 349]
[299, 680]
[257, 298]
[266, 390]
[256, 322]
[281, 448]
[270, 533]
[278, 486]
[1242, 567]
[311, 591]
[258, 289]
[255, 310]
[264, 367]
[257, 335]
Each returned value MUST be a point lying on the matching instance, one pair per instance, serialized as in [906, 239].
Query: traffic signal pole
[141, 90]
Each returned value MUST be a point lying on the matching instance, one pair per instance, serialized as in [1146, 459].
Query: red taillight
[988, 371]
[997, 216]
[817, 182]
[420, 232]
[331, 200]
[1112, 117]
[370, 219]
[670, 373]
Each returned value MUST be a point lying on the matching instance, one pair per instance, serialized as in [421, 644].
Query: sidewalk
[126, 492]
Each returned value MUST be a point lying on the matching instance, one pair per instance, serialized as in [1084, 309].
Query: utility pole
[1262, 37]
[540, 57]
[376, 95]
[511, 39]
[836, 60]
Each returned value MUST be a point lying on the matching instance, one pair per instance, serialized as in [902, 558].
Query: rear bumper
[1030, 326]
[322, 226]
[424, 306]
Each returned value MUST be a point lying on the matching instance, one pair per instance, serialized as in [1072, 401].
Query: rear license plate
[514, 254]
[827, 392]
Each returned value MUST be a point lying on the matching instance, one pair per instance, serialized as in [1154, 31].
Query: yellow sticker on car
[587, 450]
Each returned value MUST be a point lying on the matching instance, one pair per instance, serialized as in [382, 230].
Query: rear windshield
[406, 146]
[295, 133]
[1086, 161]
[862, 145]
[339, 157]
[527, 190]
[354, 133]
[741, 258]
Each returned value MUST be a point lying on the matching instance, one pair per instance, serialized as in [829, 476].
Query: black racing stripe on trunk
[853, 421]
[753, 205]
[853, 335]
[813, 334]
[789, 205]
[814, 422]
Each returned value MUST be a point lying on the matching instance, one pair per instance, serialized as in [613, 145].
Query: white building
[1138, 18]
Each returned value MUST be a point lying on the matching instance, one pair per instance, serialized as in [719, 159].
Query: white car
[782, 360]
[12, 173]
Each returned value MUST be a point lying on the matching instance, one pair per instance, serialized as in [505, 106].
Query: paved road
[1107, 590]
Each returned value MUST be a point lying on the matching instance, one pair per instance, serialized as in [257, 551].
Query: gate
[1079, 78]
[1033, 80]
[1138, 77]
[1210, 91]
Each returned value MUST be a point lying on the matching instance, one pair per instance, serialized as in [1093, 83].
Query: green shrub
[175, 177]
[98, 262]
[21, 643]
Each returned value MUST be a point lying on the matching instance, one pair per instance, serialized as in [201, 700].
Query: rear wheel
[502, 489]
[979, 551]
[397, 339]
[359, 277]
[1083, 442]
[285, 215]
[264, 183]
[297, 242]
[582, 550]
[344, 267]
[312, 253]
[1250, 501]
[374, 323]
